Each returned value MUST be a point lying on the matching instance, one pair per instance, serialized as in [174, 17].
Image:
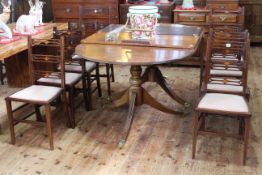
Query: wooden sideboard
[211, 12]
[165, 11]
[69, 10]
[252, 19]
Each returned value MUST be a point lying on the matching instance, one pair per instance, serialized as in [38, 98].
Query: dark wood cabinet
[98, 13]
[253, 18]
[212, 12]
[165, 11]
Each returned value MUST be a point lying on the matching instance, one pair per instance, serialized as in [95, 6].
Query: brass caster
[121, 143]
[186, 109]
[187, 105]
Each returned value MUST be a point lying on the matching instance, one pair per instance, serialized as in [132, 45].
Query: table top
[171, 43]
[7, 50]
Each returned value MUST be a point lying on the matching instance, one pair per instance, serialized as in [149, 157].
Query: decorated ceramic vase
[142, 20]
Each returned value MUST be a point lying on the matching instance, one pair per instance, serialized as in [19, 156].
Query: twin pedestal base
[136, 95]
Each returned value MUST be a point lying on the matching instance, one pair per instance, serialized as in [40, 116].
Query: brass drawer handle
[192, 18]
[222, 6]
[98, 10]
[223, 18]
[68, 10]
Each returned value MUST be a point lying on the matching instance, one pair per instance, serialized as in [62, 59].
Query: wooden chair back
[45, 59]
[227, 51]
[72, 39]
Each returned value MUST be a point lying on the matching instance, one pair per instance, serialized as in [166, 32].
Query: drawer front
[65, 11]
[191, 17]
[223, 6]
[99, 12]
[225, 18]
[93, 25]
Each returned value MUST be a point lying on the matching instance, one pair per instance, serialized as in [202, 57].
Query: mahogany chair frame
[73, 38]
[84, 26]
[243, 117]
[2, 74]
[36, 73]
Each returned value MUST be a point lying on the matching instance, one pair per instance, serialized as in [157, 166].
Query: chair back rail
[44, 64]
[227, 52]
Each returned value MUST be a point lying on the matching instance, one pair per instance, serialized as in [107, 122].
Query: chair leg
[89, 91]
[98, 84]
[10, 120]
[203, 122]
[241, 127]
[49, 126]
[72, 106]
[108, 79]
[195, 131]
[84, 91]
[246, 137]
[38, 113]
[112, 72]
[67, 110]
[1, 73]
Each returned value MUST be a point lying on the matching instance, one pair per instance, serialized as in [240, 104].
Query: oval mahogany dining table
[171, 43]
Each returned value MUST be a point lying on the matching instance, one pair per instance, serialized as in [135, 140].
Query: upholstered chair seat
[78, 68]
[37, 93]
[225, 88]
[226, 72]
[70, 79]
[223, 102]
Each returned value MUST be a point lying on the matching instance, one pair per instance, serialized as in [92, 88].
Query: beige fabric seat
[37, 93]
[226, 72]
[78, 68]
[70, 79]
[223, 102]
[224, 57]
[225, 88]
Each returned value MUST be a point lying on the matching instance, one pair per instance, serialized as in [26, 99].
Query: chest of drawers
[205, 17]
[97, 14]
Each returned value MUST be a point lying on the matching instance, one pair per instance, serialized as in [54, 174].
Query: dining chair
[40, 95]
[75, 64]
[224, 104]
[227, 62]
[89, 26]
[2, 73]
[71, 82]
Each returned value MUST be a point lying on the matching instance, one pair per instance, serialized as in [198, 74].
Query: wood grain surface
[10, 49]
[172, 43]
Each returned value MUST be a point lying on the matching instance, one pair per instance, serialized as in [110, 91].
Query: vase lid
[143, 9]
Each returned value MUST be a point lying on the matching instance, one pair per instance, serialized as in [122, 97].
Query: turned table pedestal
[171, 43]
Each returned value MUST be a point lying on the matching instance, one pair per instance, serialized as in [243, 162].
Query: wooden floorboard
[158, 143]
